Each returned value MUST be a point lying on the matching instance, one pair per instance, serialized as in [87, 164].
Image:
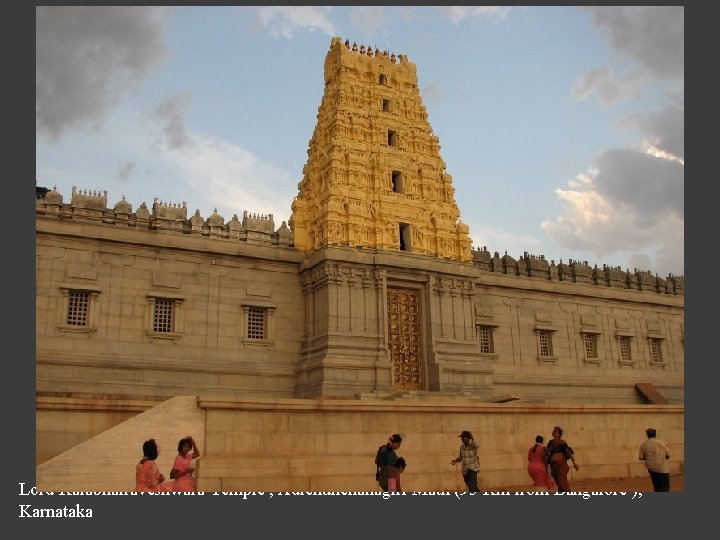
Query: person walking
[468, 457]
[538, 465]
[385, 460]
[655, 454]
[559, 453]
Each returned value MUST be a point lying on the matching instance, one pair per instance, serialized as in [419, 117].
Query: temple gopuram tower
[374, 177]
[388, 262]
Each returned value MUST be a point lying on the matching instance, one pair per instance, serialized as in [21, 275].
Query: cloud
[431, 94]
[87, 58]
[369, 19]
[285, 21]
[232, 179]
[170, 113]
[515, 245]
[609, 88]
[459, 14]
[664, 128]
[629, 202]
[654, 36]
[650, 185]
[125, 171]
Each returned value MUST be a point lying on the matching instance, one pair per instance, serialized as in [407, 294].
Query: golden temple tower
[374, 177]
[387, 273]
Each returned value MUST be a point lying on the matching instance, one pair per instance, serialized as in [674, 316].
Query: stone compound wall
[327, 327]
[329, 445]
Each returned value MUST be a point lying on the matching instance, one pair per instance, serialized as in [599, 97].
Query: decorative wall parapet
[164, 216]
[537, 266]
[88, 200]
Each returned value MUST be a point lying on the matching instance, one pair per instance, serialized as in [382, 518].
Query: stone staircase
[107, 461]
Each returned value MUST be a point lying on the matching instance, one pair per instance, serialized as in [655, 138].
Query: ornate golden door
[404, 338]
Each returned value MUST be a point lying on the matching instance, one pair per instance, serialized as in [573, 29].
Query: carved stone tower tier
[387, 277]
[374, 176]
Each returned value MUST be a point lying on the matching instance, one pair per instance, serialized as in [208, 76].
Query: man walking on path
[469, 459]
[655, 454]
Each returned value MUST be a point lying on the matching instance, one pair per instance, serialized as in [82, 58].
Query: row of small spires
[41, 192]
[88, 192]
[527, 255]
[369, 50]
[169, 204]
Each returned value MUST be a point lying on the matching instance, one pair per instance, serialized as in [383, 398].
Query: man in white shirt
[655, 454]
[468, 457]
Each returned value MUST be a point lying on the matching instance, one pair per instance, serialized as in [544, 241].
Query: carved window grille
[256, 322]
[656, 356]
[624, 348]
[164, 315]
[165, 319]
[590, 341]
[78, 308]
[487, 343]
[545, 346]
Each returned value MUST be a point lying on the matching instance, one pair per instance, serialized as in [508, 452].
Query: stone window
[78, 305]
[405, 237]
[256, 322]
[656, 355]
[397, 182]
[545, 346]
[485, 335]
[590, 342]
[392, 138]
[624, 349]
[165, 317]
[590, 345]
[386, 105]
[382, 79]
[78, 310]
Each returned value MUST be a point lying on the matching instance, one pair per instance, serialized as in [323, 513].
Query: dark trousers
[470, 478]
[660, 480]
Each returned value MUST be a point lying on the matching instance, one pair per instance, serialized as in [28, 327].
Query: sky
[562, 127]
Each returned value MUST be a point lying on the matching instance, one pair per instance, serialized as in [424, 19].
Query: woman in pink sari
[538, 465]
[182, 468]
[147, 475]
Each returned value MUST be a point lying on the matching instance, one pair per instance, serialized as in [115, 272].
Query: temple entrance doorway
[405, 338]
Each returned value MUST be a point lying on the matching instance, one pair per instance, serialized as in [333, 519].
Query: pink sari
[537, 467]
[184, 481]
[147, 477]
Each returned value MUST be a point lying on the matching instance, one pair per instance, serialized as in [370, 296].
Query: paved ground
[640, 484]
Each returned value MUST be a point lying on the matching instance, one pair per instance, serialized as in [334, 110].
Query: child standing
[394, 478]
